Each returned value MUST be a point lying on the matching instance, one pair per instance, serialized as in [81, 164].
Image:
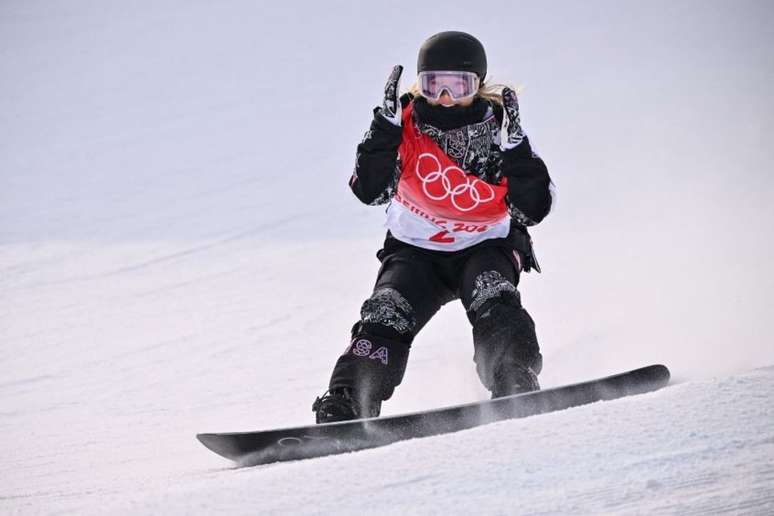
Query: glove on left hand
[512, 134]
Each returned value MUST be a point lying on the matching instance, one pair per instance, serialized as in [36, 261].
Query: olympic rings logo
[466, 193]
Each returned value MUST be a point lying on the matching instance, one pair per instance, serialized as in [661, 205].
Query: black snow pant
[411, 287]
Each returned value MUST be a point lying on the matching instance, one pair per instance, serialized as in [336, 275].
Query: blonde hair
[493, 92]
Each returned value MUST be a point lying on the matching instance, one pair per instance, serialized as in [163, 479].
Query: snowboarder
[462, 183]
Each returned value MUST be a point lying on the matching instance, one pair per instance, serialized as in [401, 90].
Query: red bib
[437, 204]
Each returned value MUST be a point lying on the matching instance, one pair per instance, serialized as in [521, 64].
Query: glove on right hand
[391, 109]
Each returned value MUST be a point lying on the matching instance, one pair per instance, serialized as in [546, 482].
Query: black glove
[512, 134]
[391, 109]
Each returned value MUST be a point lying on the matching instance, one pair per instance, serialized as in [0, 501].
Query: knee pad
[491, 287]
[503, 332]
[388, 314]
[371, 366]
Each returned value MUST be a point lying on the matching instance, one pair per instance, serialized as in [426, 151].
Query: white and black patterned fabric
[472, 147]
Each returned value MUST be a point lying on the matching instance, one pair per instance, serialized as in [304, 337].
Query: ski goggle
[459, 85]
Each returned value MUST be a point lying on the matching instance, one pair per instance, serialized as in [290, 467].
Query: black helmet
[452, 50]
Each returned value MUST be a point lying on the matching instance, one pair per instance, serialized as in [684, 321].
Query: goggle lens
[459, 85]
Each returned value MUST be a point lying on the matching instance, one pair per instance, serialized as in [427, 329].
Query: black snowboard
[303, 442]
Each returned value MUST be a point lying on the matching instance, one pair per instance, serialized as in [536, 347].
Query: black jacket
[377, 171]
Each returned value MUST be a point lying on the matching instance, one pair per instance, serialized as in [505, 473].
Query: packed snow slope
[179, 253]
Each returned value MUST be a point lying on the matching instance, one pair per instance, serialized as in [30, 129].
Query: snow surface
[179, 253]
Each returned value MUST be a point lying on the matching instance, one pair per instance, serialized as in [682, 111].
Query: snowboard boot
[342, 405]
[511, 378]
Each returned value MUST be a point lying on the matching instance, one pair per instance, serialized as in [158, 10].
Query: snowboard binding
[341, 405]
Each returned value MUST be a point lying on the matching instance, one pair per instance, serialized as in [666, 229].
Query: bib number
[446, 237]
